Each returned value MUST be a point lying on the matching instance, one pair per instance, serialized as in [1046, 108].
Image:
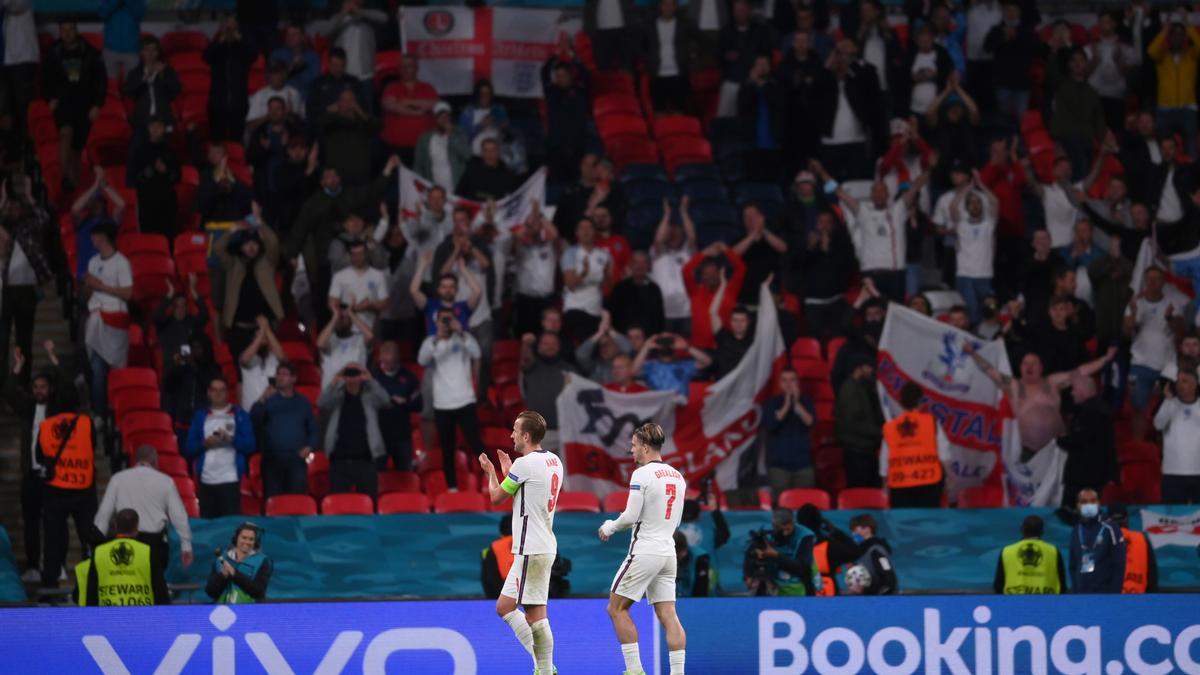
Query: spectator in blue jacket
[122, 33]
[220, 439]
[788, 418]
[302, 62]
[1097, 550]
[287, 430]
[404, 390]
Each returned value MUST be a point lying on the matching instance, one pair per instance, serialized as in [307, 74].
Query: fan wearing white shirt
[973, 219]
[259, 361]
[587, 273]
[653, 509]
[359, 286]
[1152, 320]
[1060, 200]
[879, 229]
[673, 247]
[1179, 420]
[344, 340]
[533, 481]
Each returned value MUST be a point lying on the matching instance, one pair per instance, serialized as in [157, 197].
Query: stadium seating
[403, 502]
[185, 485]
[173, 465]
[577, 502]
[983, 496]
[291, 505]
[459, 502]
[347, 504]
[862, 498]
[614, 502]
[399, 481]
[797, 497]
[318, 475]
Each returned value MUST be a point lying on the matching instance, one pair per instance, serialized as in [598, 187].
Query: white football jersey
[662, 489]
[540, 475]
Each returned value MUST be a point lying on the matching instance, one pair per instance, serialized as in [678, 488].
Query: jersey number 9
[553, 492]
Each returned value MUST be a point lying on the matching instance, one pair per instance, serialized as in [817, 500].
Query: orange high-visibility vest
[828, 585]
[912, 450]
[1137, 562]
[75, 468]
[502, 549]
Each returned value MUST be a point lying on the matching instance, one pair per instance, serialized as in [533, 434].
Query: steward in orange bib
[496, 560]
[910, 460]
[1141, 567]
[65, 449]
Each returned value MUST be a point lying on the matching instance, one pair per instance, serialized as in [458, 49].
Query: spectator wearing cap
[328, 86]
[407, 104]
[1175, 51]
[673, 246]
[302, 63]
[565, 83]
[276, 88]
[670, 42]
[760, 107]
[108, 287]
[442, 152]
[153, 494]
[1078, 119]
[846, 97]
[858, 423]
[348, 137]
[806, 202]
[229, 57]
[152, 85]
[249, 256]
[1012, 46]
[637, 299]
[702, 276]
[353, 29]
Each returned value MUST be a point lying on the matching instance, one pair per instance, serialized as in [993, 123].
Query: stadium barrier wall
[770, 636]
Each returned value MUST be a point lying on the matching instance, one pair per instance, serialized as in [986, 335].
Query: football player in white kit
[655, 506]
[533, 481]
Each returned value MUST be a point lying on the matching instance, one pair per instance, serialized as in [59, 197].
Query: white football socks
[633, 661]
[516, 621]
[543, 646]
[676, 661]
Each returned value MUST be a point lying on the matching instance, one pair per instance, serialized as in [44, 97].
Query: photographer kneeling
[780, 562]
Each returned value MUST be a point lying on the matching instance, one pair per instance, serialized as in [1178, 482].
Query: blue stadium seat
[708, 233]
[767, 196]
[636, 172]
[689, 172]
[644, 216]
[705, 191]
[714, 213]
[646, 191]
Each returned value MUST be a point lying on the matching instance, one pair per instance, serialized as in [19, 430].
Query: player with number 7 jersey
[533, 481]
[653, 509]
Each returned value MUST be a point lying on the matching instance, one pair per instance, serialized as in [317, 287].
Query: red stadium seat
[677, 125]
[433, 483]
[577, 502]
[130, 400]
[608, 104]
[251, 505]
[399, 481]
[614, 502]
[186, 486]
[173, 465]
[505, 372]
[151, 274]
[459, 502]
[318, 475]
[145, 419]
[1142, 482]
[347, 504]
[506, 350]
[614, 125]
[403, 502]
[163, 440]
[797, 497]
[496, 438]
[120, 379]
[292, 505]
[806, 349]
[191, 506]
[1138, 451]
[981, 497]
[612, 82]
[298, 352]
[136, 243]
[832, 349]
[177, 42]
[310, 392]
[862, 498]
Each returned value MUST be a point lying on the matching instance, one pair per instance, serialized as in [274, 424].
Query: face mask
[858, 538]
[1089, 511]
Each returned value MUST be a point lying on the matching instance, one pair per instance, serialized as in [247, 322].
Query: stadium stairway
[49, 324]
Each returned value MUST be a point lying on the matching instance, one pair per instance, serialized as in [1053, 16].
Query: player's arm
[499, 490]
[631, 514]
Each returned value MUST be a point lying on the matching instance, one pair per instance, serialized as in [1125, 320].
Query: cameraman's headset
[258, 534]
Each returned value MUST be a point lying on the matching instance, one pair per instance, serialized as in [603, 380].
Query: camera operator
[833, 547]
[240, 574]
[453, 356]
[780, 562]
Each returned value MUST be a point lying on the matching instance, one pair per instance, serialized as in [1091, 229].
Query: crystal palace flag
[457, 46]
[712, 431]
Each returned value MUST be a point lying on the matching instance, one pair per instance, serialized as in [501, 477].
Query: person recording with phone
[352, 436]
[452, 355]
[287, 433]
[221, 439]
[241, 573]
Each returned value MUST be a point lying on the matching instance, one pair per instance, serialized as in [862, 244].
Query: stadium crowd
[220, 213]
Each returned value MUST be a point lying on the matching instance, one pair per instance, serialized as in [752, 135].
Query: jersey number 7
[669, 488]
[553, 493]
